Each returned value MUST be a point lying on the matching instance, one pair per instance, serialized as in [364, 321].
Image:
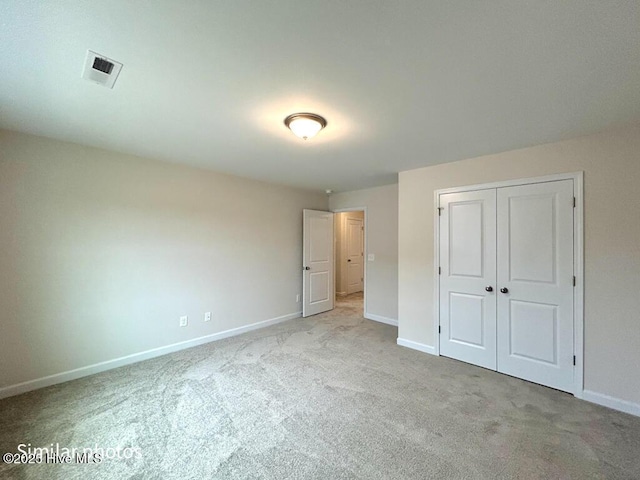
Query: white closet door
[468, 263]
[535, 282]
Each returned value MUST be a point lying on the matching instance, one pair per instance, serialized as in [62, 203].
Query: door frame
[366, 249]
[578, 261]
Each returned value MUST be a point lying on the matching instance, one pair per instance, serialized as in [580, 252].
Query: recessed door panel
[319, 287]
[533, 238]
[318, 247]
[354, 277]
[534, 331]
[466, 319]
[465, 239]
[354, 242]
[467, 262]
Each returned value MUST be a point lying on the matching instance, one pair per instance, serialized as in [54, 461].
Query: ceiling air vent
[102, 65]
[100, 69]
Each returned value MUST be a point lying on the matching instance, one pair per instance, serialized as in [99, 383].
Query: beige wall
[101, 253]
[340, 244]
[611, 165]
[381, 282]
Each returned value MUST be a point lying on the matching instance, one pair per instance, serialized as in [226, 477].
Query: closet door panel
[535, 282]
[468, 266]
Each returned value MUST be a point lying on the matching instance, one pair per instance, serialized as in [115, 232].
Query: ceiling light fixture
[305, 125]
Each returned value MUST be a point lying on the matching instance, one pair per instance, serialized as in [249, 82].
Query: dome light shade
[305, 125]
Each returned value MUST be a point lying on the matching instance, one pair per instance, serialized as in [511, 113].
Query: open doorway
[350, 258]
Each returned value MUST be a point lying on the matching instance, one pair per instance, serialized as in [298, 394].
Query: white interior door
[355, 255]
[318, 264]
[468, 277]
[535, 278]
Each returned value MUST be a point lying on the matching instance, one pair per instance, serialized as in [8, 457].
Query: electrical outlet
[207, 317]
[298, 298]
[184, 321]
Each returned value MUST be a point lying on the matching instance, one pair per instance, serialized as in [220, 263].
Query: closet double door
[506, 280]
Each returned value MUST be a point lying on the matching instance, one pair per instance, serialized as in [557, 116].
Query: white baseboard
[611, 402]
[421, 347]
[381, 319]
[588, 395]
[47, 381]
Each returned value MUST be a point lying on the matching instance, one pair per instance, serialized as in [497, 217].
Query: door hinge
[574, 202]
[440, 210]
[362, 228]
[439, 329]
[439, 270]
[574, 360]
[574, 280]
[362, 279]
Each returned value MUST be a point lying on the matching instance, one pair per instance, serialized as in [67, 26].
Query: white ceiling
[402, 84]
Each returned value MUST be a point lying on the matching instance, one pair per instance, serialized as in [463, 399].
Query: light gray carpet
[326, 397]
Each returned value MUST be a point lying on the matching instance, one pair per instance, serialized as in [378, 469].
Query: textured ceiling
[402, 84]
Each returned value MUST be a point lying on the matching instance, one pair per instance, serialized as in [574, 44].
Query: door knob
[489, 288]
[504, 290]
[349, 260]
[307, 268]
